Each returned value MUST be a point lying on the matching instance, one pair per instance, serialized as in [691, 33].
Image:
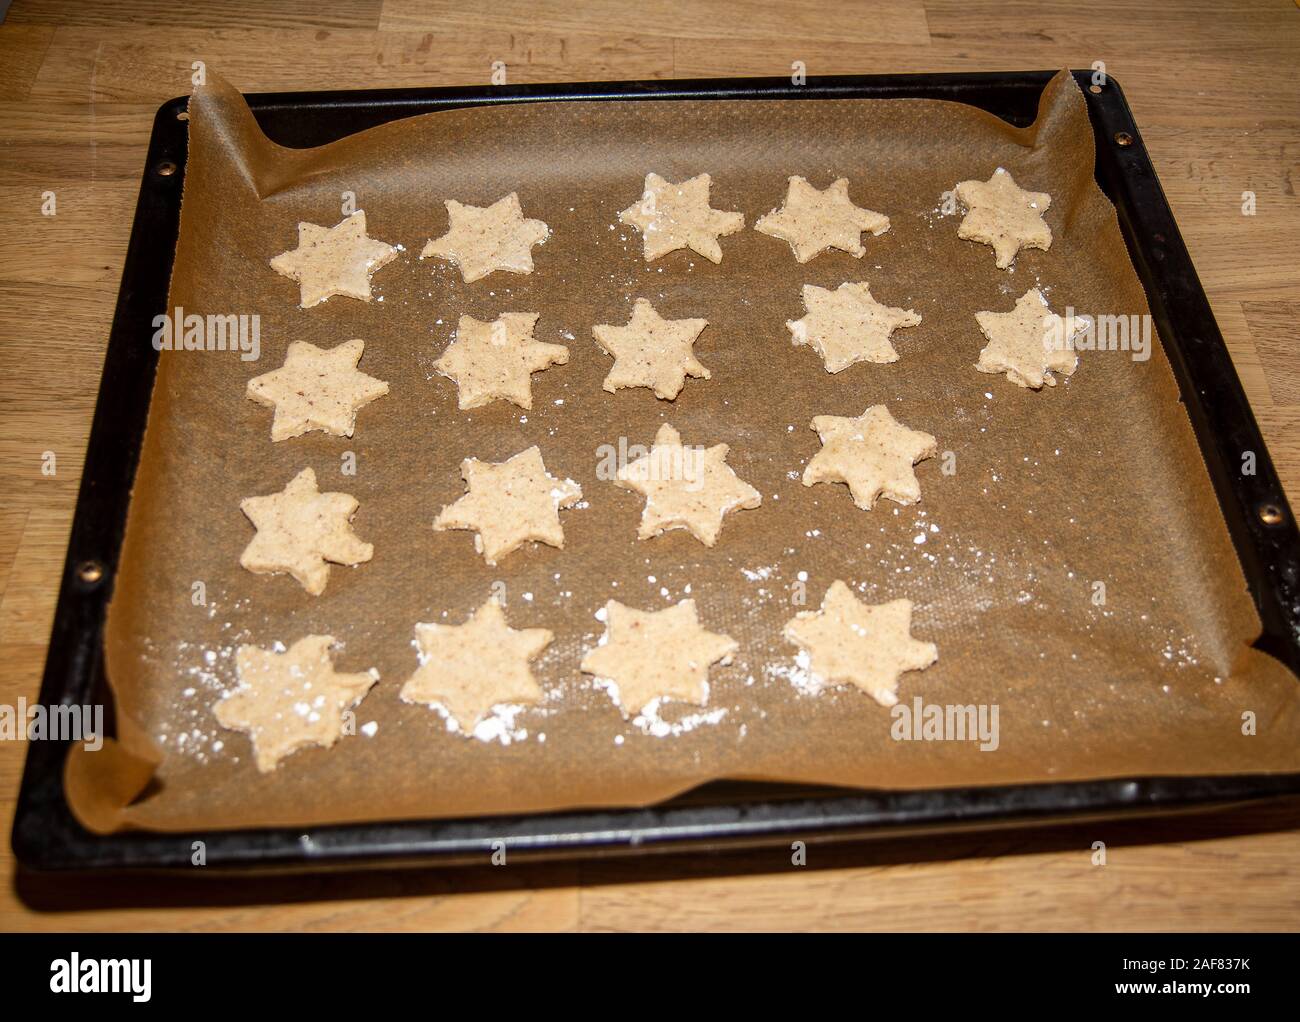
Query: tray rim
[47, 836]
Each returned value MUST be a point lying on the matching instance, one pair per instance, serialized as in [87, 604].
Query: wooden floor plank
[52, 343]
[22, 49]
[27, 610]
[1275, 327]
[260, 14]
[44, 144]
[882, 22]
[12, 522]
[151, 65]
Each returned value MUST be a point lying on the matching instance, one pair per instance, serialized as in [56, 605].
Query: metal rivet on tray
[90, 571]
[166, 168]
[1094, 89]
[1270, 514]
[1123, 138]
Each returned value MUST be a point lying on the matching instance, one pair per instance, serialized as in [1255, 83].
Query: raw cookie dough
[287, 701]
[467, 669]
[672, 216]
[335, 260]
[1004, 215]
[847, 325]
[813, 221]
[866, 645]
[1029, 343]
[491, 361]
[509, 503]
[299, 530]
[651, 351]
[482, 239]
[651, 654]
[316, 388]
[873, 454]
[686, 487]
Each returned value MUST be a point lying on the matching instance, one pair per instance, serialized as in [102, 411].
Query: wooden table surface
[1213, 86]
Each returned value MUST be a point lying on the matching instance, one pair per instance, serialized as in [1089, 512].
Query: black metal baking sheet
[47, 836]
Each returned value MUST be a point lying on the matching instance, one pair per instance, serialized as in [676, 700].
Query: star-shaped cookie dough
[491, 361]
[1004, 215]
[651, 654]
[858, 643]
[847, 325]
[468, 669]
[813, 221]
[482, 239]
[686, 487]
[873, 454]
[316, 388]
[300, 530]
[672, 216]
[335, 260]
[287, 701]
[1029, 343]
[509, 503]
[651, 351]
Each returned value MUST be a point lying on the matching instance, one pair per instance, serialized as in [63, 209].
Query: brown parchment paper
[1098, 480]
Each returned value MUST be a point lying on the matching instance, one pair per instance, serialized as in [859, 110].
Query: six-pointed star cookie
[288, 700]
[873, 454]
[813, 221]
[335, 260]
[510, 503]
[299, 530]
[651, 351]
[651, 654]
[672, 216]
[482, 239]
[316, 388]
[468, 669]
[1004, 215]
[866, 645]
[1029, 343]
[490, 361]
[847, 325]
[686, 487]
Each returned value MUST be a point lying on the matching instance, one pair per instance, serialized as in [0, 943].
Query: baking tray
[46, 835]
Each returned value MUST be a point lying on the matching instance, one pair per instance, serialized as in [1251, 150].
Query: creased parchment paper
[1098, 480]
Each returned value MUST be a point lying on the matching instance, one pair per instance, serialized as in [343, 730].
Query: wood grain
[22, 49]
[214, 14]
[887, 22]
[150, 65]
[1213, 87]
